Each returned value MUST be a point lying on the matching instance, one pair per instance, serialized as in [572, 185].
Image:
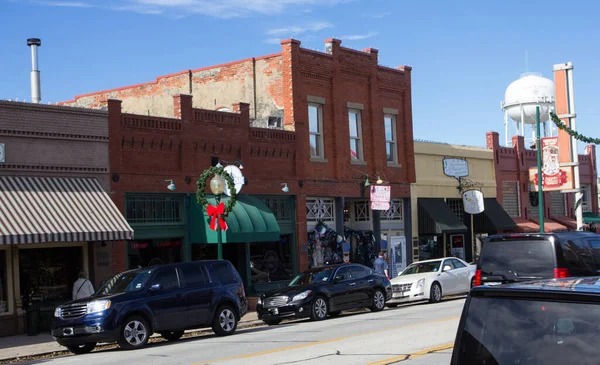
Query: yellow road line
[321, 342]
[413, 355]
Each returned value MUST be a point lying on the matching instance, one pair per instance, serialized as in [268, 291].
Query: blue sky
[464, 53]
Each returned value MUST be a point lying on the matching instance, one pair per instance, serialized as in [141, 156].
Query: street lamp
[217, 187]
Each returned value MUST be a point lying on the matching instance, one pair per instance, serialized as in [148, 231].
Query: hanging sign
[380, 197]
[554, 176]
[238, 178]
[473, 201]
[456, 167]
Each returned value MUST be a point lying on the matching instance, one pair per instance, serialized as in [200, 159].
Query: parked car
[166, 299]
[510, 258]
[431, 280]
[549, 322]
[324, 291]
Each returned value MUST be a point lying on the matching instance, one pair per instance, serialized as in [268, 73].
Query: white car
[431, 280]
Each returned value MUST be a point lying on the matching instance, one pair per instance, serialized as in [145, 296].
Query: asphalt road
[419, 334]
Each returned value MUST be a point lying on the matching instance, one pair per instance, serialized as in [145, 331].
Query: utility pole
[539, 169]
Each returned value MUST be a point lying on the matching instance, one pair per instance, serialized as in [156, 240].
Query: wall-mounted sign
[554, 177]
[456, 167]
[473, 201]
[380, 197]
[238, 178]
[2, 153]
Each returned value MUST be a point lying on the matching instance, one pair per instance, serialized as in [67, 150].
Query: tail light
[477, 278]
[561, 273]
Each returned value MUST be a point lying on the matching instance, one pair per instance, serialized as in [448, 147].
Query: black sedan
[324, 291]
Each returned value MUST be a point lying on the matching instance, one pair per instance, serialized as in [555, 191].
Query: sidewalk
[12, 347]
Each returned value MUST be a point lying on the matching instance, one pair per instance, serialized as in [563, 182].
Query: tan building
[440, 226]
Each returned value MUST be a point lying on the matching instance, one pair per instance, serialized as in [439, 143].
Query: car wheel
[82, 349]
[225, 321]
[172, 335]
[334, 314]
[378, 301]
[272, 322]
[134, 333]
[319, 309]
[435, 295]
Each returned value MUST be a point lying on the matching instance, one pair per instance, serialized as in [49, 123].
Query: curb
[155, 338]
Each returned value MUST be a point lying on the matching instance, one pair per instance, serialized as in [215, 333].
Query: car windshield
[422, 267]
[519, 259]
[517, 331]
[124, 282]
[309, 277]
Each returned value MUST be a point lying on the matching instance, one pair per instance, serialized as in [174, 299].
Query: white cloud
[356, 37]
[296, 30]
[215, 8]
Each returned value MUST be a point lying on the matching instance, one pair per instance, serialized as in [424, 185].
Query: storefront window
[430, 247]
[145, 253]
[204, 251]
[271, 261]
[48, 274]
[3, 282]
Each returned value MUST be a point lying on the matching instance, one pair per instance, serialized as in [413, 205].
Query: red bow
[216, 213]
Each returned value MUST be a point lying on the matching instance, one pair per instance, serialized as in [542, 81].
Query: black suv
[168, 299]
[546, 322]
[510, 258]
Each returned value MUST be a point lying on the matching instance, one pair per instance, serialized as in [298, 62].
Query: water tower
[520, 101]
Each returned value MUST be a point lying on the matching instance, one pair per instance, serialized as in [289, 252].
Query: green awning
[591, 218]
[436, 217]
[493, 219]
[250, 221]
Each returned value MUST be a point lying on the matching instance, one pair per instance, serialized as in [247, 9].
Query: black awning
[435, 216]
[493, 219]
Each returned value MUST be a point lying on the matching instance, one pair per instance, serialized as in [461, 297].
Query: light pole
[217, 187]
[539, 169]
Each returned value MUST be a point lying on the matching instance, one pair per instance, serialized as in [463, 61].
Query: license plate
[404, 294]
[492, 283]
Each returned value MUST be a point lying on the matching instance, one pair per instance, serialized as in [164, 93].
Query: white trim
[352, 105]
[315, 99]
[390, 111]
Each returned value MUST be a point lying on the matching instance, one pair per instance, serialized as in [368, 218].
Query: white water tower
[520, 101]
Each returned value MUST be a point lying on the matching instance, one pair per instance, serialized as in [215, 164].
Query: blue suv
[131, 306]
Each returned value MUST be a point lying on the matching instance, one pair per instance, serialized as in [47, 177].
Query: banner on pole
[554, 176]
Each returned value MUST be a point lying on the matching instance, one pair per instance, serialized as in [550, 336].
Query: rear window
[516, 260]
[515, 331]
[225, 272]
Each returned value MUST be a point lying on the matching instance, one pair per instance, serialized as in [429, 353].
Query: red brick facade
[512, 165]
[146, 150]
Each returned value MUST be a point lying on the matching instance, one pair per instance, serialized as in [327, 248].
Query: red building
[514, 193]
[347, 120]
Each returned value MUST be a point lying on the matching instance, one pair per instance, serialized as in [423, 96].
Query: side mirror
[155, 288]
[339, 278]
[447, 268]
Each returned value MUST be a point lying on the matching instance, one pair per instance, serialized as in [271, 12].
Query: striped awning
[48, 209]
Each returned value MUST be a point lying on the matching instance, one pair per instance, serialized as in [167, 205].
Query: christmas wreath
[221, 210]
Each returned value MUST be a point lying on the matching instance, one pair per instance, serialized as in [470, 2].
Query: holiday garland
[201, 187]
[560, 125]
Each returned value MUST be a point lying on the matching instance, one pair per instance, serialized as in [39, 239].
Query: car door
[199, 293]
[462, 273]
[166, 300]
[340, 288]
[448, 278]
[363, 290]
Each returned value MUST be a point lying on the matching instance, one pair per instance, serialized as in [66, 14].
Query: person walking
[380, 265]
[82, 288]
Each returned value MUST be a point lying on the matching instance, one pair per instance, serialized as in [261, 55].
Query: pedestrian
[381, 266]
[82, 288]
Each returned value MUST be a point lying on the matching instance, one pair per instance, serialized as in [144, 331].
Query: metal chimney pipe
[36, 92]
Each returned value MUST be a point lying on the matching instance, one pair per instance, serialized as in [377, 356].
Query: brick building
[347, 121]
[513, 190]
[55, 215]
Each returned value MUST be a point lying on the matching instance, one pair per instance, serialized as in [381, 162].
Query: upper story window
[356, 150]
[315, 124]
[586, 198]
[391, 144]
[141, 208]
